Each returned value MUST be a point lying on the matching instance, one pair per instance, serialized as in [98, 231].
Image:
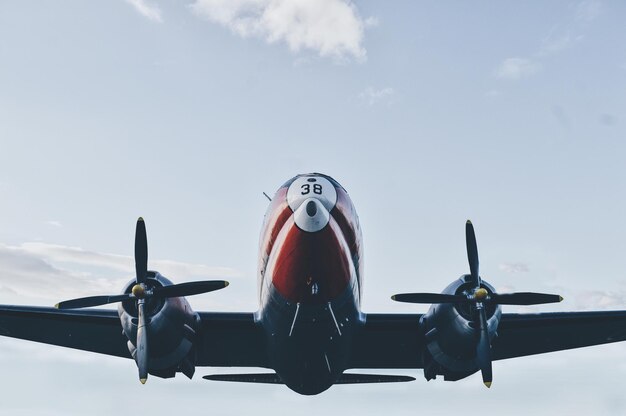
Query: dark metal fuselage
[310, 281]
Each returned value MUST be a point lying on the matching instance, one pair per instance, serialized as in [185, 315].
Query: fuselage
[310, 281]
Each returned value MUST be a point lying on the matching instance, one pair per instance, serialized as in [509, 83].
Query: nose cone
[311, 216]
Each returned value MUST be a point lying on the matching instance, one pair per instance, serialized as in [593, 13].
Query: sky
[511, 114]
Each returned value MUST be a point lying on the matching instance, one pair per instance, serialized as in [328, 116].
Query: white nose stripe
[307, 187]
[311, 216]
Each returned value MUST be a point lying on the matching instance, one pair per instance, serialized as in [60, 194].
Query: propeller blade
[91, 301]
[428, 298]
[188, 289]
[472, 252]
[483, 349]
[524, 298]
[142, 343]
[141, 251]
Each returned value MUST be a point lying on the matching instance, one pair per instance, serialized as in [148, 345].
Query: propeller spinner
[141, 292]
[479, 298]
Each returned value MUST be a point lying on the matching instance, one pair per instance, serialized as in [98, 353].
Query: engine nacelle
[171, 330]
[451, 335]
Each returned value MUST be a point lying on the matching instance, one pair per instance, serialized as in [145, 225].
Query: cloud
[555, 43]
[47, 271]
[514, 267]
[25, 275]
[125, 264]
[332, 28]
[588, 10]
[493, 93]
[517, 68]
[147, 10]
[55, 224]
[598, 300]
[562, 36]
[372, 96]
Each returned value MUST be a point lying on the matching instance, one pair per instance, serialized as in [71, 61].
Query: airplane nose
[311, 216]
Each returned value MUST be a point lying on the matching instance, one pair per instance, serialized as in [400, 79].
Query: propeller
[479, 297]
[142, 292]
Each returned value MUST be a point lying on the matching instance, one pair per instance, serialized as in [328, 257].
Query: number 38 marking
[306, 189]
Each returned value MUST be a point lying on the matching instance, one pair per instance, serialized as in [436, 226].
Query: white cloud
[373, 96]
[149, 11]
[371, 22]
[588, 10]
[554, 44]
[517, 68]
[47, 271]
[25, 275]
[332, 28]
[125, 264]
[55, 224]
[598, 300]
[562, 36]
[514, 267]
[493, 93]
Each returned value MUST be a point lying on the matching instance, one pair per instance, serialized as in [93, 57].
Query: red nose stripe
[310, 267]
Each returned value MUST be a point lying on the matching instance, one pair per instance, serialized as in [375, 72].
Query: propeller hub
[139, 291]
[480, 294]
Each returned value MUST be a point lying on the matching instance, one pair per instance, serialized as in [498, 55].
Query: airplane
[309, 329]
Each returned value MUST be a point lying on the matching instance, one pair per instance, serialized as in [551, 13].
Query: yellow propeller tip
[140, 219]
[56, 306]
[488, 384]
[226, 284]
[393, 297]
[560, 298]
[143, 380]
[469, 222]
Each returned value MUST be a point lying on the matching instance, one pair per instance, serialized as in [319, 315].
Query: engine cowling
[451, 335]
[463, 320]
[153, 307]
[171, 328]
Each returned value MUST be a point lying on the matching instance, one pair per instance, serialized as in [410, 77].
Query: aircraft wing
[226, 339]
[396, 341]
[388, 341]
[527, 334]
[231, 340]
[89, 330]
[384, 341]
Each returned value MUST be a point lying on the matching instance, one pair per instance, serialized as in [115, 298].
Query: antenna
[267, 196]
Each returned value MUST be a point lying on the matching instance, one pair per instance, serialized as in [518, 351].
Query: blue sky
[429, 113]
